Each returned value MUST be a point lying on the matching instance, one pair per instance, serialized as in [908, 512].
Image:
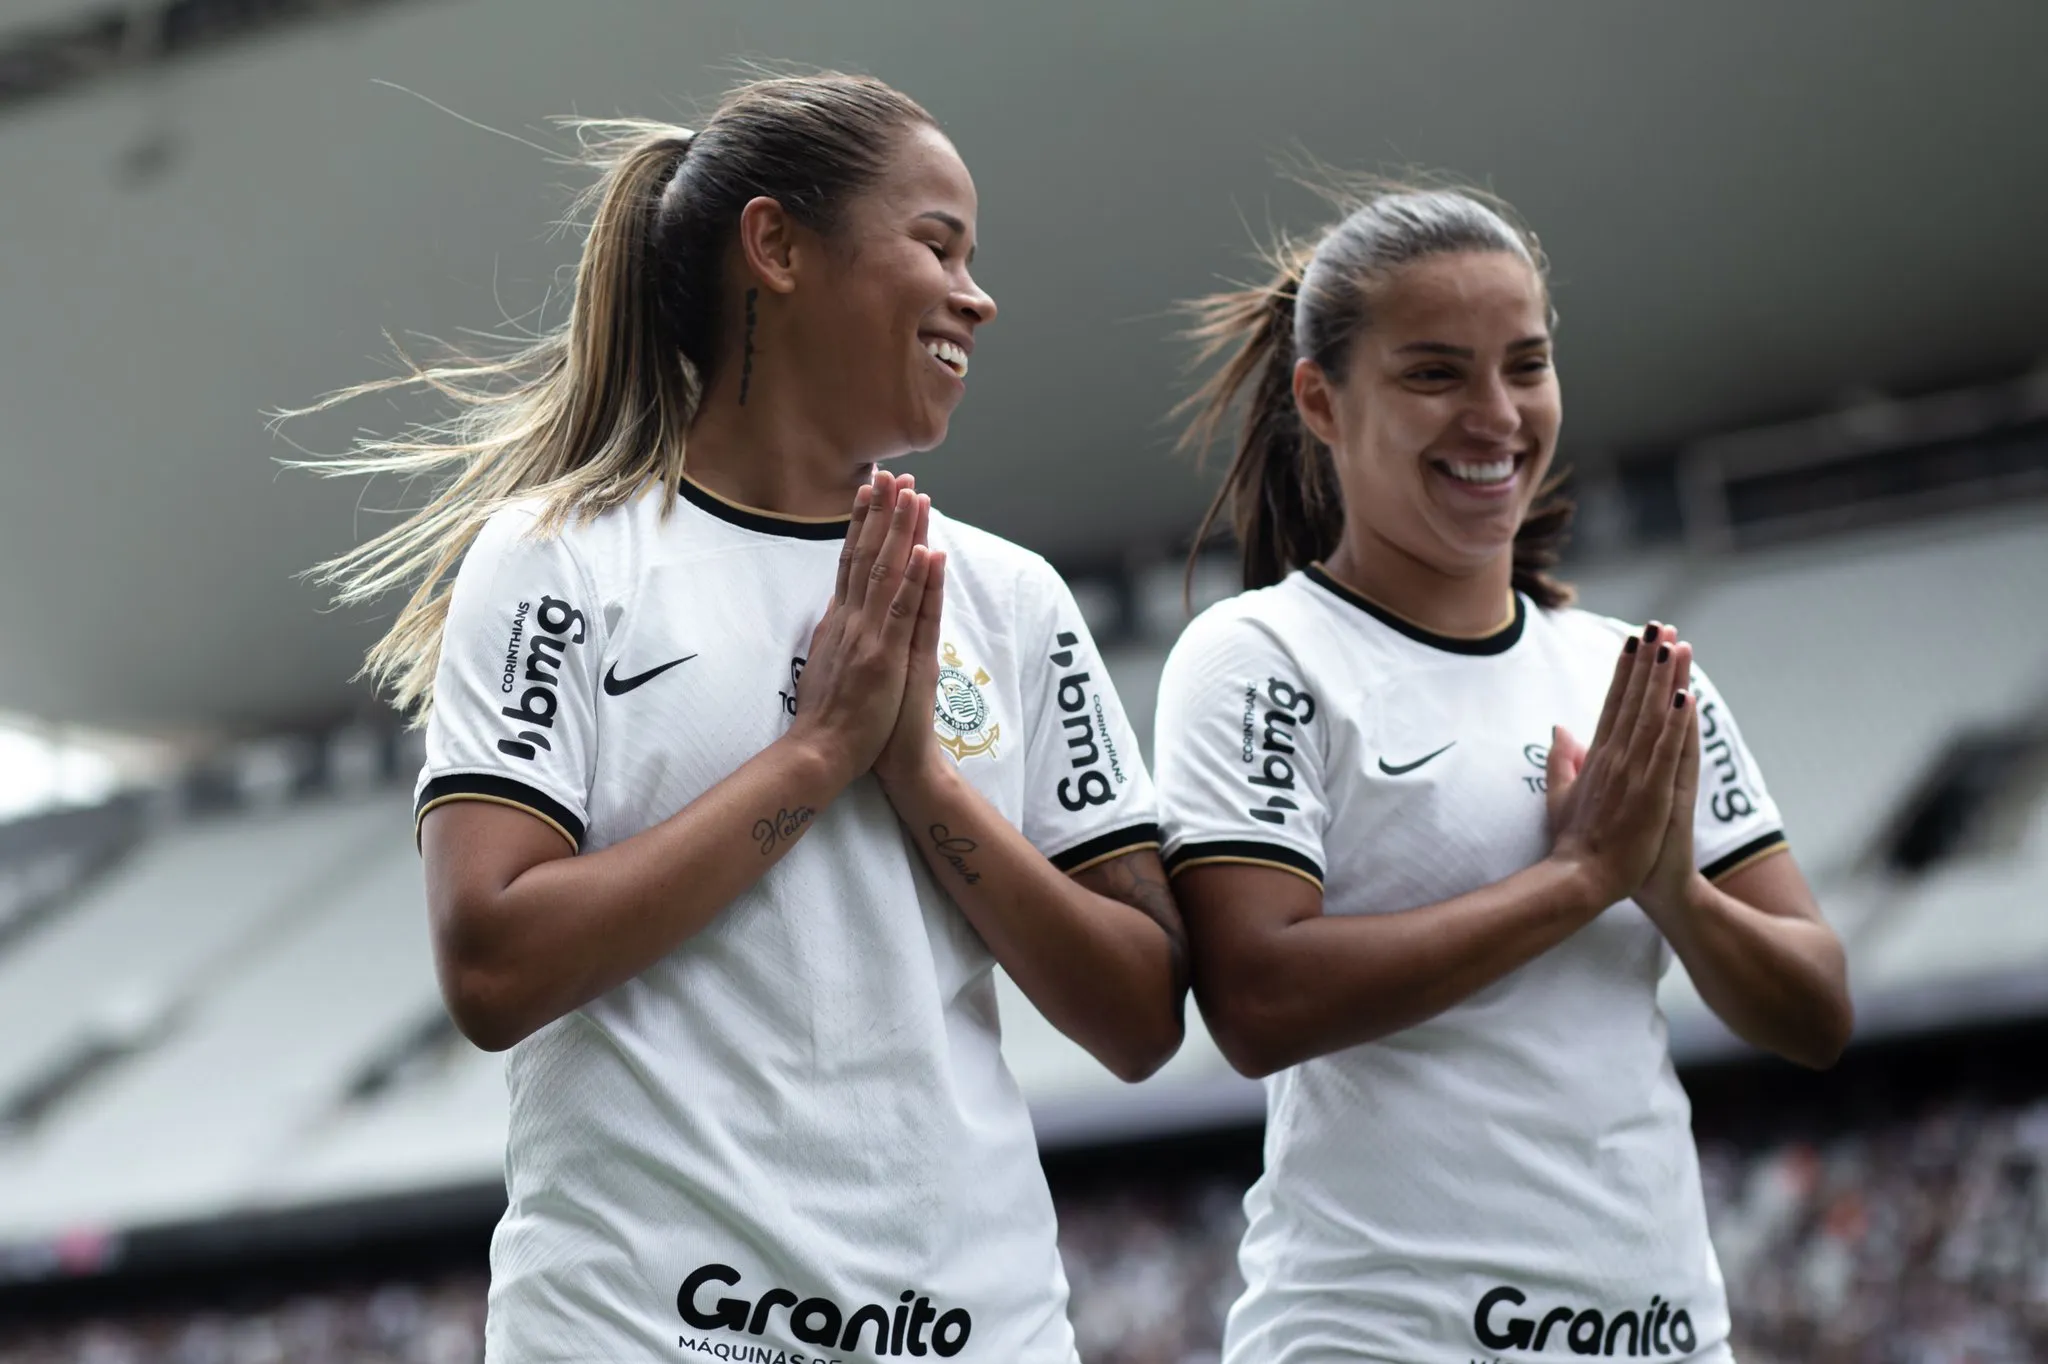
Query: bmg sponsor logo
[1274, 721]
[872, 1329]
[1659, 1329]
[551, 630]
[1090, 784]
[1731, 799]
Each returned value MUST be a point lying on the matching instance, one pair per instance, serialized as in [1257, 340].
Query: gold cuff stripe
[439, 801]
[1180, 867]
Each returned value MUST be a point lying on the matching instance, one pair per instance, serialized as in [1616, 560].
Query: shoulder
[987, 555]
[1575, 626]
[531, 528]
[1000, 576]
[1263, 622]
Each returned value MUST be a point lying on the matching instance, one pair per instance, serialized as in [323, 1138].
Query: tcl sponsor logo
[1657, 1330]
[552, 629]
[1272, 725]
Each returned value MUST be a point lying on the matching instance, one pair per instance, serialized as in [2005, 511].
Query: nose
[1492, 413]
[973, 302]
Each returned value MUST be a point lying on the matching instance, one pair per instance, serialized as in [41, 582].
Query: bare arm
[1280, 982]
[1099, 953]
[524, 931]
[1755, 945]
[1765, 961]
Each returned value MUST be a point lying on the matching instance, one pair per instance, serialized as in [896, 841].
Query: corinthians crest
[960, 713]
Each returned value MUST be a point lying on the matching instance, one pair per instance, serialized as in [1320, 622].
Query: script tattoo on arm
[781, 828]
[1138, 880]
[955, 850]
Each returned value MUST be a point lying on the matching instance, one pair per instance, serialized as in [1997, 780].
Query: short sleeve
[1736, 821]
[1087, 796]
[1239, 748]
[514, 717]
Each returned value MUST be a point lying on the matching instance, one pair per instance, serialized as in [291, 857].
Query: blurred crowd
[1909, 1241]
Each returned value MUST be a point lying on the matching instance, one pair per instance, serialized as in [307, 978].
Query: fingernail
[1630, 647]
[1678, 700]
[1663, 653]
[1650, 631]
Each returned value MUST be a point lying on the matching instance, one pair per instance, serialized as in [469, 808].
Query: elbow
[1245, 1033]
[1830, 1035]
[1147, 1049]
[482, 1008]
[487, 999]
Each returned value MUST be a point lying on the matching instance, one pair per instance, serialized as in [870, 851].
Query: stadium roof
[1752, 209]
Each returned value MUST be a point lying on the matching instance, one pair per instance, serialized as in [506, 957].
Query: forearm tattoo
[1140, 882]
[782, 827]
[955, 849]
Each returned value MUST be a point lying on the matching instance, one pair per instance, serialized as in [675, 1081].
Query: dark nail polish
[1678, 700]
[1663, 653]
[1630, 647]
[1650, 632]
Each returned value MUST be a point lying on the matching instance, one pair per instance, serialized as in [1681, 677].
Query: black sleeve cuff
[1744, 855]
[1115, 843]
[499, 791]
[1245, 851]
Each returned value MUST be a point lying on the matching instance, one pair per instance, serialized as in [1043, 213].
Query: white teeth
[1492, 471]
[949, 355]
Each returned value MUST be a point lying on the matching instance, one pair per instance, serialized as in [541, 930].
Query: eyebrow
[1466, 352]
[959, 228]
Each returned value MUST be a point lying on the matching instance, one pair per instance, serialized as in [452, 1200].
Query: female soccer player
[725, 824]
[1415, 901]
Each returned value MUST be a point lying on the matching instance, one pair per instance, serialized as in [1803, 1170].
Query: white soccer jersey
[793, 1137]
[1515, 1178]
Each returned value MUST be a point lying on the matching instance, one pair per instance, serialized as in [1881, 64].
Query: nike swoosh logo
[614, 685]
[1410, 767]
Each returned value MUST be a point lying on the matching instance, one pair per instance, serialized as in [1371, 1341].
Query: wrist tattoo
[955, 851]
[781, 828]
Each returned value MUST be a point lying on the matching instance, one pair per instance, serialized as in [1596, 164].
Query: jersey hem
[1246, 852]
[1095, 851]
[497, 790]
[1753, 851]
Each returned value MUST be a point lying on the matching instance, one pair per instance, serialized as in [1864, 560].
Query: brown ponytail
[1281, 489]
[596, 410]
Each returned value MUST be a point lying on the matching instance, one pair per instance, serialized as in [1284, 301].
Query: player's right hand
[1611, 801]
[851, 690]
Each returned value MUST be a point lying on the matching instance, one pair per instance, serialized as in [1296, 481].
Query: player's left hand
[911, 750]
[1665, 890]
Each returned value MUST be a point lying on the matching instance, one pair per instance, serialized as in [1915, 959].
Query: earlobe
[768, 242]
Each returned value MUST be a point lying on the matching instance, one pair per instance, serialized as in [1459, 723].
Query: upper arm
[472, 851]
[1138, 879]
[1774, 884]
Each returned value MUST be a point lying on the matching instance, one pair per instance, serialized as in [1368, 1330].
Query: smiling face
[1445, 418]
[887, 339]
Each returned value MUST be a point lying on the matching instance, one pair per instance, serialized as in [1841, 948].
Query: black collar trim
[763, 522]
[1499, 642]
